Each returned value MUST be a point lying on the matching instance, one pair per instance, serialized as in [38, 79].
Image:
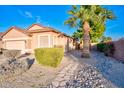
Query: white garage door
[19, 45]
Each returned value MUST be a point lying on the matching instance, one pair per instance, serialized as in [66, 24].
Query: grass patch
[49, 56]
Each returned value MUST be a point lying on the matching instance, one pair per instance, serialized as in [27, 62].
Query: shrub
[12, 54]
[101, 47]
[107, 48]
[49, 56]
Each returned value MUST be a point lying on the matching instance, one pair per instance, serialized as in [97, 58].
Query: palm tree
[88, 14]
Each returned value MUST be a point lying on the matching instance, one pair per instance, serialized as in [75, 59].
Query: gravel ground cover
[80, 75]
[88, 77]
[73, 72]
[110, 68]
[36, 77]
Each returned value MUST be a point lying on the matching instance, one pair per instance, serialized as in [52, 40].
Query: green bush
[107, 48]
[49, 56]
[101, 47]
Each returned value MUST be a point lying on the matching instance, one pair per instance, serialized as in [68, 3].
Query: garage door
[44, 41]
[19, 45]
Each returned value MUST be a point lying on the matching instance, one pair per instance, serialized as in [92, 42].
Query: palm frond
[72, 22]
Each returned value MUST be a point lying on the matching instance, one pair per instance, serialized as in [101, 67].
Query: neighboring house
[36, 36]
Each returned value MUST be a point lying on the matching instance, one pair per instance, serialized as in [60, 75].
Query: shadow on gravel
[30, 62]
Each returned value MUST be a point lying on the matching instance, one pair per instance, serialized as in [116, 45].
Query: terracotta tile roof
[19, 29]
[16, 28]
[45, 29]
[34, 25]
[28, 32]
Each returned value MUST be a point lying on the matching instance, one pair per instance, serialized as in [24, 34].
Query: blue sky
[54, 16]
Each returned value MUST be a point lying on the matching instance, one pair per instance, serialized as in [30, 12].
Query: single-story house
[36, 36]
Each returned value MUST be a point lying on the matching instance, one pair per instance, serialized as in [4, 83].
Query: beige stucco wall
[32, 42]
[28, 44]
[35, 38]
[14, 35]
[64, 41]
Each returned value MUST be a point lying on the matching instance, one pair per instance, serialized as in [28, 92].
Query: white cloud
[26, 14]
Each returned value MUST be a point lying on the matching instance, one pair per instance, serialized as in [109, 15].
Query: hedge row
[49, 56]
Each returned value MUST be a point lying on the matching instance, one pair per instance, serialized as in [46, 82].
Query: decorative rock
[61, 75]
[63, 83]
[55, 84]
[64, 76]
[10, 68]
[59, 79]
[87, 77]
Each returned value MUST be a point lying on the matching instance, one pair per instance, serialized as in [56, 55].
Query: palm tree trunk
[86, 40]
